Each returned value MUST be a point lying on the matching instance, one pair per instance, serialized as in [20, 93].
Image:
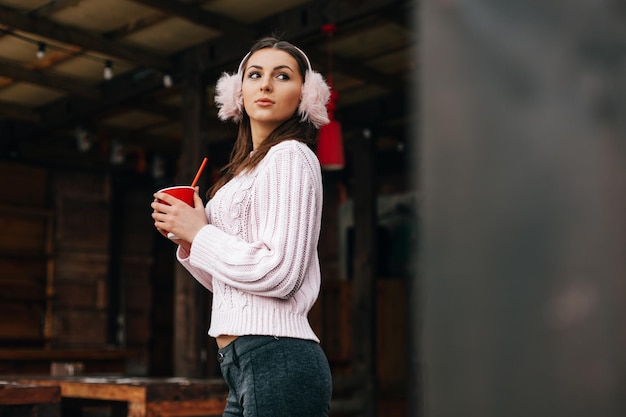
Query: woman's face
[271, 87]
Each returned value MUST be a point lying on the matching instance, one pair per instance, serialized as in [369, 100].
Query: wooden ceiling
[57, 104]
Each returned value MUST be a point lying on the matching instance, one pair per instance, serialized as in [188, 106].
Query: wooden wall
[81, 203]
[87, 279]
[134, 271]
[25, 253]
[69, 293]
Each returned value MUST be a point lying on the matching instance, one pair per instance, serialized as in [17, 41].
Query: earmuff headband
[313, 99]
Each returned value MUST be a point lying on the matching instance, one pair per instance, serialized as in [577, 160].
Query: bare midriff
[224, 340]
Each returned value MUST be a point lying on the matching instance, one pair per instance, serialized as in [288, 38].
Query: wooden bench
[17, 400]
[139, 397]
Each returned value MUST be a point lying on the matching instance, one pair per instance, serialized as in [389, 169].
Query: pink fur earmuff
[313, 99]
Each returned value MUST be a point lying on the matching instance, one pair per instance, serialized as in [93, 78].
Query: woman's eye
[254, 74]
[283, 76]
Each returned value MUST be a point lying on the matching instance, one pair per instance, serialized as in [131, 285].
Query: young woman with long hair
[254, 244]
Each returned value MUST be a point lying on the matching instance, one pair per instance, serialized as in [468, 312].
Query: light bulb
[108, 70]
[167, 81]
[41, 50]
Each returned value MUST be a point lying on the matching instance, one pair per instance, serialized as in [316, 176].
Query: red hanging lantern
[330, 141]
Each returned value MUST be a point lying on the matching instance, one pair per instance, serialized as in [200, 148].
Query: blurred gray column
[523, 182]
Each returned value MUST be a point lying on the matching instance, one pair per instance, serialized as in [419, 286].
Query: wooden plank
[138, 328]
[80, 328]
[27, 184]
[15, 268]
[21, 400]
[181, 389]
[138, 295]
[91, 388]
[65, 354]
[27, 288]
[38, 410]
[82, 224]
[13, 393]
[25, 321]
[34, 361]
[145, 397]
[74, 294]
[83, 185]
[22, 233]
[103, 391]
[81, 267]
[137, 225]
[208, 407]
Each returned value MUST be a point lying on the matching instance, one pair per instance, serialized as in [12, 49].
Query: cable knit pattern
[258, 254]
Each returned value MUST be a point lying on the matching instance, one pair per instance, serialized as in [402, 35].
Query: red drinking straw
[195, 180]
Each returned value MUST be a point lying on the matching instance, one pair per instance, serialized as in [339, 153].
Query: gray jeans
[275, 377]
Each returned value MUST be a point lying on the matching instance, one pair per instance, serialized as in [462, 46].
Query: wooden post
[364, 280]
[189, 306]
[524, 195]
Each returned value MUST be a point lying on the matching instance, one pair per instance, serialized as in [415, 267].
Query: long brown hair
[292, 128]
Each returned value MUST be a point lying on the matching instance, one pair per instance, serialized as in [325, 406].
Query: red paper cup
[181, 192]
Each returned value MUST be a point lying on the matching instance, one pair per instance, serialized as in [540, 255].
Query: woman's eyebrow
[280, 67]
[276, 68]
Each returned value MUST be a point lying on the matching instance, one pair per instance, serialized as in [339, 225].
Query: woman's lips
[264, 102]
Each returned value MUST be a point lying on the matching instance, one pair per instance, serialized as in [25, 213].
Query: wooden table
[143, 397]
[29, 400]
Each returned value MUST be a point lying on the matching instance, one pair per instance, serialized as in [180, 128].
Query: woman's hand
[175, 216]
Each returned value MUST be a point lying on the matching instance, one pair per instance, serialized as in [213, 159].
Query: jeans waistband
[241, 346]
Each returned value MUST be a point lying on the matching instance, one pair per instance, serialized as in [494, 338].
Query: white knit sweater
[258, 254]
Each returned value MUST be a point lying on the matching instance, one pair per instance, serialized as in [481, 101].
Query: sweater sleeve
[203, 277]
[285, 215]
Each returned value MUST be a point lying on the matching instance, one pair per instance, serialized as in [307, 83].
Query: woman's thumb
[197, 200]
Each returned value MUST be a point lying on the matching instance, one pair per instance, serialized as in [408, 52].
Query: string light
[167, 81]
[108, 69]
[41, 50]
[43, 47]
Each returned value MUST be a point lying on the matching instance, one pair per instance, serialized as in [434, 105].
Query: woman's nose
[266, 84]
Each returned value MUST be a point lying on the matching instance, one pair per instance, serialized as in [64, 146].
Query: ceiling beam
[68, 110]
[301, 25]
[52, 7]
[85, 40]
[136, 25]
[48, 80]
[223, 24]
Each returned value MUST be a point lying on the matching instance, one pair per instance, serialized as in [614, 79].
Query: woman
[254, 245]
